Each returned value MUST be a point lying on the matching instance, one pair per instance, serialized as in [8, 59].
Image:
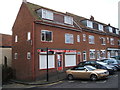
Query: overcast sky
[105, 11]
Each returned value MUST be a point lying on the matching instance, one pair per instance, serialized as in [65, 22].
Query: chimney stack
[25, 1]
[92, 18]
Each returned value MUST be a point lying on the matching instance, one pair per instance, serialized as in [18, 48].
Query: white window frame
[112, 41]
[91, 39]
[69, 38]
[108, 40]
[68, 20]
[28, 36]
[45, 36]
[84, 37]
[84, 54]
[103, 51]
[110, 29]
[78, 38]
[46, 14]
[89, 24]
[104, 41]
[15, 55]
[28, 55]
[100, 27]
[93, 52]
[16, 38]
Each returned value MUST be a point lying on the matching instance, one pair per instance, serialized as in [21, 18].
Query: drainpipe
[33, 52]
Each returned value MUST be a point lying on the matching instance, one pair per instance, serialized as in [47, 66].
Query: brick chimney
[25, 1]
[92, 18]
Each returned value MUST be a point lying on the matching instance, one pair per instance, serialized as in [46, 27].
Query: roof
[6, 40]
[77, 19]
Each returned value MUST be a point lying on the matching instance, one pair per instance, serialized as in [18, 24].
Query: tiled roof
[5, 40]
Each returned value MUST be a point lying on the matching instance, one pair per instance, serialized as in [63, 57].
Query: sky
[105, 11]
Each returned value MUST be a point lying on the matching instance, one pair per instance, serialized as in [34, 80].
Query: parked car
[112, 61]
[86, 72]
[116, 57]
[99, 65]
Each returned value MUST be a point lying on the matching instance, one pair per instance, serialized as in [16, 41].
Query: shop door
[59, 62]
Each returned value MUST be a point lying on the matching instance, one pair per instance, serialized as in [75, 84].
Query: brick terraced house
[70, 39]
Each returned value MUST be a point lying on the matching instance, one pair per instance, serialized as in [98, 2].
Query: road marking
[71, 81]
[101, 81]
[84, 82]
[115, 75]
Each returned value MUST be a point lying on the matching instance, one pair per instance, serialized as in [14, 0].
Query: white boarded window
[70, 60]
[78, 38]
[28, 36]
[89, 24]
[68, 20]
[46, 14]
[43, 61]
[100, 27]
[16, 38]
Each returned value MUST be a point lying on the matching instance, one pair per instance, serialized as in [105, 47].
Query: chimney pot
[92, 18]
[25, 1]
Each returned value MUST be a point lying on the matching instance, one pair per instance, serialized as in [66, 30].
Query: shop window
[92, 53]
[91, 39]
[46, 36]
[69, 39]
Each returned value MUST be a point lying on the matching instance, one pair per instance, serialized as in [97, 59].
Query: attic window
[46, 14]
[100, 27]
[68, 20]
[89, 24]
[110, 29]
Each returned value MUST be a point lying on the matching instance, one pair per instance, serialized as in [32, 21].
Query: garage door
[70, 60]
[43, 61]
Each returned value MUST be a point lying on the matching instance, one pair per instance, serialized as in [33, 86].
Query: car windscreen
[90, 68]
[118, 61]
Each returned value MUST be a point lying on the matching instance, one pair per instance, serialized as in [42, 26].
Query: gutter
[58, 26]
[33, 52]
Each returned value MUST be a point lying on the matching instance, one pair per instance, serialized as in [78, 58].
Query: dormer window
[100, 27]
[89, 24]
[68, 20]
[117, 31]
[46, 14]
[110, 29]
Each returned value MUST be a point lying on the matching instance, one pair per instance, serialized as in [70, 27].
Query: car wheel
[93, 77]
[70, 77]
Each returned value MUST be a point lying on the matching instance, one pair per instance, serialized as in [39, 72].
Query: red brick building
[5, 49]
[69, 38]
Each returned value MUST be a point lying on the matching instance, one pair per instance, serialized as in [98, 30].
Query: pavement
[22, 84]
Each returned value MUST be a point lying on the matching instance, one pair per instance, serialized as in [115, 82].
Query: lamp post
[47, 75]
